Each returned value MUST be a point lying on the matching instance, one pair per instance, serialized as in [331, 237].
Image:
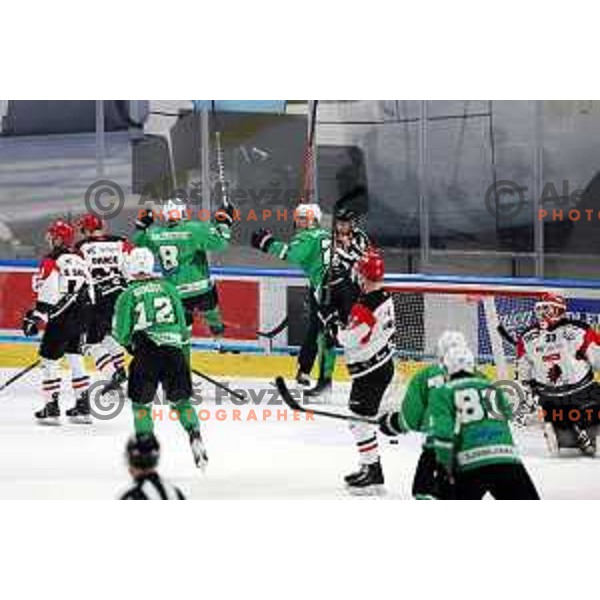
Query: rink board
[258, 300]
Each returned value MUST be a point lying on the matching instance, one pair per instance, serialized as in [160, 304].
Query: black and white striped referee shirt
[152, 487]
[345, 258]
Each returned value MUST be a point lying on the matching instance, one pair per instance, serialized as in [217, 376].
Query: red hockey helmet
[90, 222]
[63, 230]
[370, 265]
[550, 308]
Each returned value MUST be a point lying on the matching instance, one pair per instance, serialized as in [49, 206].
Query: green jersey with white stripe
[181, 252]
[414, 412]
[309, 249]
[469, 424]
[153, 307]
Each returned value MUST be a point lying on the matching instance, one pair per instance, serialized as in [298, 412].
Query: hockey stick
[266, 334]
[275, 331]
[289, 400]
[20, 374]
[223, 187]
[506, 336]
[219, 385]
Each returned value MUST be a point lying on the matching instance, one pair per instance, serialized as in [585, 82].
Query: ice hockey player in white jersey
[105, 256]
[368, 349]
[557, 357]
[63, 288]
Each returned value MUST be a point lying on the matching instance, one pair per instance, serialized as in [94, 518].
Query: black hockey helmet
[345, 214]
[142, 451]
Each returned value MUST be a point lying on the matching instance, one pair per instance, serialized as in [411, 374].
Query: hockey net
[491, 320]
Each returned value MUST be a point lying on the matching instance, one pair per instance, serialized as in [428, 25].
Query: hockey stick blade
[275, 331]
[20, 374]
[283, 389]
[219, 385]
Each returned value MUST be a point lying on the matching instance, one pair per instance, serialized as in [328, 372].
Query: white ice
[267, 458]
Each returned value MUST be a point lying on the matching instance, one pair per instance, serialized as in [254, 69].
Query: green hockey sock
[187, 415]
[142, 418]
[327, 358]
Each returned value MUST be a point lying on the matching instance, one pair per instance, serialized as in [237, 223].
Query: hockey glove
[31, 322]
[330, 320]
[217, 329]
[225, 215]
[262, 239]
[388, 424]
[144, 220]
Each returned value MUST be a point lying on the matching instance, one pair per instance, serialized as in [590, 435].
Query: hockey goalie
[556, 359]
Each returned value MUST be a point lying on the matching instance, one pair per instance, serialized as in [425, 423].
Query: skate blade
[372, 490]
[83, 420]
[49, 421]
[201, 465]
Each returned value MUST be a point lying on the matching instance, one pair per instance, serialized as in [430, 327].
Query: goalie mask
[550, 309]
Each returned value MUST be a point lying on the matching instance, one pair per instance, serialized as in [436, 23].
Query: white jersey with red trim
[105, 257]
[62, 280]
[367, 340]
[561, 357]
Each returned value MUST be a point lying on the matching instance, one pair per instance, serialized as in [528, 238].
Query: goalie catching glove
[262, 239]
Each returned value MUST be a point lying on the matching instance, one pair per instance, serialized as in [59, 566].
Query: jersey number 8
[472, 406]
[169, 257]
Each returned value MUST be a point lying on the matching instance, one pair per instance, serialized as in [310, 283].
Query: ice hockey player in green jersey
[413, 415]
[150, 322]
[310, 250]
[472, 441]
[180, 247]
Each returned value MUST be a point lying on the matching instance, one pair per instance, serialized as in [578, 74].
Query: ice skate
[320, 393]
[198, 450]
[80, 413]
[50, 414]
[369, 482]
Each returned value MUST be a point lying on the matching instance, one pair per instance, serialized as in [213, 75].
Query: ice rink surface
[255, 453]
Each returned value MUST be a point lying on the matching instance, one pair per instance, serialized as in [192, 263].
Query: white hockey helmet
[173, 209]
[457, 359]
[310, 212]
[140, 261]
[450, 339]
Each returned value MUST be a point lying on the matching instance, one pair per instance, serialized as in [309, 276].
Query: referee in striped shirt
[143, 453]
